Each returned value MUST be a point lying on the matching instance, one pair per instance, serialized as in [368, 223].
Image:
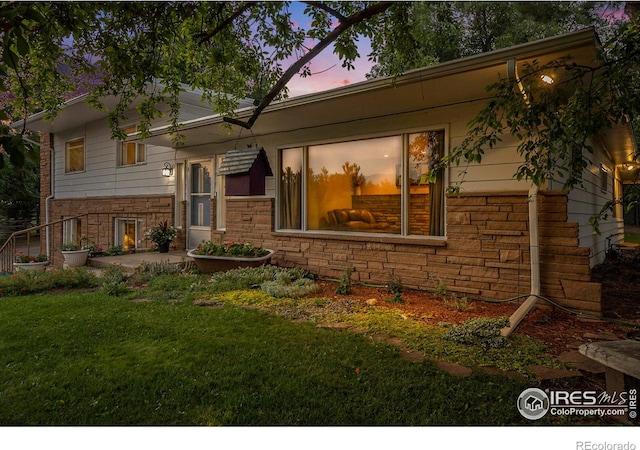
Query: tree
[442, 31]
[20, 193]
[556, 124]
[150, 50]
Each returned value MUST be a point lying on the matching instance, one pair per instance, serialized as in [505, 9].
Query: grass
[92, 356]
[632, 238]
[94, 359]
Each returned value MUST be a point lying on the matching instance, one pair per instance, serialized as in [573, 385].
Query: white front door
[199, 202]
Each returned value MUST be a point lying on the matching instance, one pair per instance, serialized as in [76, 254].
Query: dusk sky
[327, 69]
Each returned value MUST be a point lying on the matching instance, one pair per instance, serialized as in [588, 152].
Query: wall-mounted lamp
[547, 79]
[167, 170]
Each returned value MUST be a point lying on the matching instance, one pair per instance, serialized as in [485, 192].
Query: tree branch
[203, 37]
[354, 19]
[326, 8]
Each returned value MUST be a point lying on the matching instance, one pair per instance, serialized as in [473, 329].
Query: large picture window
[74, 156]
[377, 185]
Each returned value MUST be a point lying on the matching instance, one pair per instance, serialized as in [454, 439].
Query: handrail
[37, 227]
[8, 249]
[98, 227]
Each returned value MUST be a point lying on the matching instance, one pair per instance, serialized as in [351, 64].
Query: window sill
[122, 166]
[426, 241]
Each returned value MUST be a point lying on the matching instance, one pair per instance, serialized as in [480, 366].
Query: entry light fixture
[167, 170]
[547, 79]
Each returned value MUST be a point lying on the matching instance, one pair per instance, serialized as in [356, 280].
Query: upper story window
[74, 156]
[130, 153]
[377, 185]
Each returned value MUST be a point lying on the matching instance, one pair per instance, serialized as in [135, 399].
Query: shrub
[114, 280]
[149, 270]
[284, 287]
[272, 278]
[395, 287]
[30, 282]
[246, 249]
[114, 274]
[482, 331]
[344, 288]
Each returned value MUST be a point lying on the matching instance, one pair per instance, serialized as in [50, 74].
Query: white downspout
[50, 196]
[534, 249]
[534, 252]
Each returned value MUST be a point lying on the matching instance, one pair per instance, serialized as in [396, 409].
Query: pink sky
[329, 74]
[326, 68]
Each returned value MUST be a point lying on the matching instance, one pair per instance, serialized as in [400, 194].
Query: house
[349, 188]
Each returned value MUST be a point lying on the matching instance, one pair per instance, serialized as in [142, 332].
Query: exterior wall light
[167, 170]
[547, 79]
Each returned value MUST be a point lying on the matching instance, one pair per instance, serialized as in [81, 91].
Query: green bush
[30, 282]
[114, 280]
[252, 277]
[482, 331]
[284, 287]
[344, 288]
[149, 270]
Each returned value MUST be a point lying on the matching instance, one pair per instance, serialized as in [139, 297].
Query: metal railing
[104, 230]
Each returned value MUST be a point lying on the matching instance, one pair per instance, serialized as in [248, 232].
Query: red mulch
[560, 330]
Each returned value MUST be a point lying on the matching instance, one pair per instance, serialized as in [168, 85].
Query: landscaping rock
[546, 373]
[412, 356]
[454, 369]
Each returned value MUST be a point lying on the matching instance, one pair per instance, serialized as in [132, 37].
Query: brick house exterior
[483, 250]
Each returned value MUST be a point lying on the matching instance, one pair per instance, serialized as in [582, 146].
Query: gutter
[526, 51]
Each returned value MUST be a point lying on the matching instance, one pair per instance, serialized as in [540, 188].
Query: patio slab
[132, 260]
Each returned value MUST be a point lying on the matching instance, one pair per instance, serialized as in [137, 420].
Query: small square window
[130, 153]
[74, 156]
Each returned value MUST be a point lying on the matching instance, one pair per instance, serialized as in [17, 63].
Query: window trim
[405, 191]
[66, 155]
[120, 149]
[138, 231]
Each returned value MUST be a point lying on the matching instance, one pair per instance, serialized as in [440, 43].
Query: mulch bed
[560, 330]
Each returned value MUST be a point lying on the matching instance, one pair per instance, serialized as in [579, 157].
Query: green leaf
[22, 45]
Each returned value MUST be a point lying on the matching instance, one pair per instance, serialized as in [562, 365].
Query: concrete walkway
[133, 260]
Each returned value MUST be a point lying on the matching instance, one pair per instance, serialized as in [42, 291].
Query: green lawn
[632, 238]
[83, 358]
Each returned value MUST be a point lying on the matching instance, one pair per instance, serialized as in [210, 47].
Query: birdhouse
[245, 171]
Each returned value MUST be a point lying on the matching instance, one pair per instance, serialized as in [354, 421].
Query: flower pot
[30, 266]
[75, 258]
[210, 264]
[164, 248]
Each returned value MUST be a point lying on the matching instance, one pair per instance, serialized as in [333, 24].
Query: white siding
[496, 173]
[102, 177]
[587, 200]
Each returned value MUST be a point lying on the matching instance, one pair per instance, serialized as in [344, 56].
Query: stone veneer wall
[99, 225]
[485, 254]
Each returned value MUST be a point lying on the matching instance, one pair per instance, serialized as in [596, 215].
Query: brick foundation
[99, 224]
[485, 254]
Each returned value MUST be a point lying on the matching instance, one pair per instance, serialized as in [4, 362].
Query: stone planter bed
[210, 264]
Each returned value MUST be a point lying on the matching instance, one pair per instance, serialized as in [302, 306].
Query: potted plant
[162, 235]
[27, 262]
[211, 257]
[74, 253]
